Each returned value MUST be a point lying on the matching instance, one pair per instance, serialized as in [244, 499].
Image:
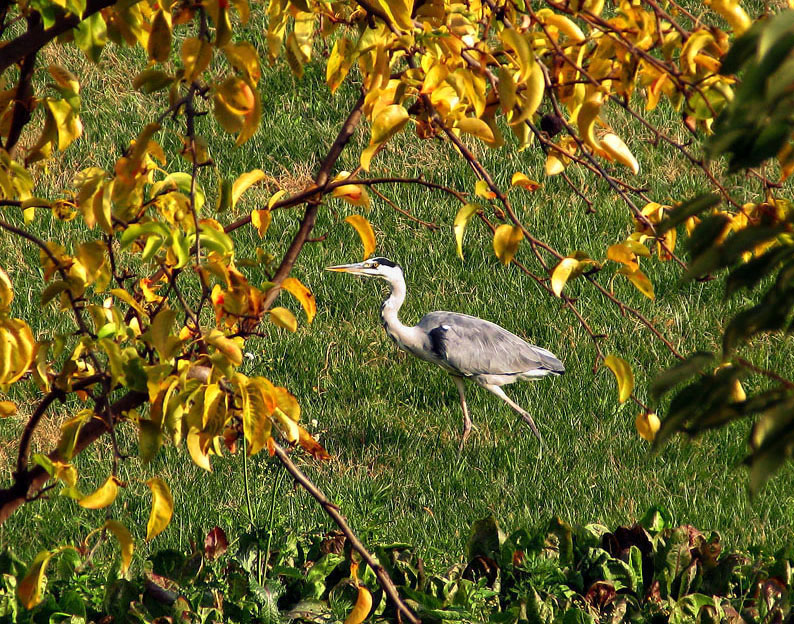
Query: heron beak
[346, 268]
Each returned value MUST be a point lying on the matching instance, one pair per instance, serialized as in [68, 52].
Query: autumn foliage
[159, 309]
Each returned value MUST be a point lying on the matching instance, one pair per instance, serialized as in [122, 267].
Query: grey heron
[465, 346]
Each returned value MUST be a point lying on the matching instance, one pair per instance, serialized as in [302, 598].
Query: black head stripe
[384, 261]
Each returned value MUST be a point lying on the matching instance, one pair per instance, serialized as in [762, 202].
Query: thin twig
[332, 510]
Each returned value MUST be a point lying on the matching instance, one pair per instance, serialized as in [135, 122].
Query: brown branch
[36, 38]
[22, 99]
[27, 434]
[321, 182]
[766, 373]
[333, 511]
[30, 481]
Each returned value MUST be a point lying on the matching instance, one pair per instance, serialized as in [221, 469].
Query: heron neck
[391, 307]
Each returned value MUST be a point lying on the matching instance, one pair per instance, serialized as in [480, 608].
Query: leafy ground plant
[651, 571]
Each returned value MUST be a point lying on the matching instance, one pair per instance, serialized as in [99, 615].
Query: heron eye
[375, 265]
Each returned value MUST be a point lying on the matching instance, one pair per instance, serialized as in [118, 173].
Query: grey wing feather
[473, 346]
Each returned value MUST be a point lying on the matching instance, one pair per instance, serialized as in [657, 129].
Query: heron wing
[473, 346]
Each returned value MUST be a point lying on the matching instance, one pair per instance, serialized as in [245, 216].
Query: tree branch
[333, 511]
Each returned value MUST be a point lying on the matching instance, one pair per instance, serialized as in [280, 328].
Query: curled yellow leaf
[647, 424]
[245, 181]
[362, 607]
[640, 281]
[475, 127]
[30, 587]
[520, 179]
[162, 508]
[561, 274]
[365, 233]
[103, 496]
[617, 150]
[461, 221]
[296, 288]
[505, 242]
[125, 541]
[623, 375]
[355, 194]
[197, 453]
[261, 219]
[6, 290]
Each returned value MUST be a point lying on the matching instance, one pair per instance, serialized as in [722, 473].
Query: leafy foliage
[649, 571]
[160, 306]
[754, 246]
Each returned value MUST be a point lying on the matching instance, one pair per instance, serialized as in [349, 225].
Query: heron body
[465, 346]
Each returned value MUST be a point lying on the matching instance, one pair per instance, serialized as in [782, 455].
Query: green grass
[393, 423]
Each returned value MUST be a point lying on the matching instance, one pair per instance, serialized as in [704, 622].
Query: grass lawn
[393, 423]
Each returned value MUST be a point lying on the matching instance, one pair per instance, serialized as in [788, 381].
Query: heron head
[375, 267]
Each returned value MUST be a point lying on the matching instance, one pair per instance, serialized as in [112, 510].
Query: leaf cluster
[650, 571]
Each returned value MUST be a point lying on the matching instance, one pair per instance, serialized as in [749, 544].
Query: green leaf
[486, 539]
[689, 208]
[91, 36]
[680, 372]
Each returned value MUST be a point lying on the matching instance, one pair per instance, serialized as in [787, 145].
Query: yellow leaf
[66, 121]
[162, 508]
[355, 194]
[30, 587]
[260, 219]
[289, 429]
[294, 287]
[620, 252]
[554, 164]
[244, 58]
[284, 318]
[287, 403]
[256, 409]
[65, 79]
[199, 457]
[226, 116]
[104, 495]
[362, 607]
[614, 146]
[125, 541]
[640, 280]
[461, 221]
[516, 42]
[225, 345]
[505, 242]
[238, 95]
[6, 290]
[250, 120]
[561, 273]
[339, 62]
[481, 189]
[129, 300]
[520, 179]
[475, 127]
[647, 425]
[507, 90]
[388, 122]
[159, 45]
[7, 408]
[242, 183]
[196, 56]
[623, 374]
[365, 233]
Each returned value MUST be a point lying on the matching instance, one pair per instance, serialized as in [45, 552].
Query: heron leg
[466, 420]
[527, 418]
